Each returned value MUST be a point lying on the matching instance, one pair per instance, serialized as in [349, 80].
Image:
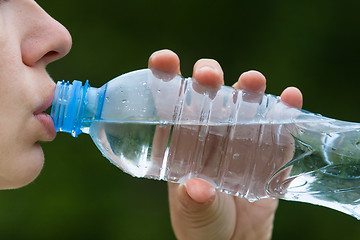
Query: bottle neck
[75, 106]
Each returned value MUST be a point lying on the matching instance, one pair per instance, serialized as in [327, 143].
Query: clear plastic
[163, 126]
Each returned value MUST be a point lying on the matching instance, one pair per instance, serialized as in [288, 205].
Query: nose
[44, 40]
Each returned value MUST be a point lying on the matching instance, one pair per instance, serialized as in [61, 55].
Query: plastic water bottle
[163, 126]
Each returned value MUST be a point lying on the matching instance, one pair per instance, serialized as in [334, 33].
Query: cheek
[19, 167]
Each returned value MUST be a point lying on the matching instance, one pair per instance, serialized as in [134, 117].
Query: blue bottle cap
[67, 106]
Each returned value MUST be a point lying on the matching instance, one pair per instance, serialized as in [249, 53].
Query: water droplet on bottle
[162, 124]
[107, 148]
[357, 144]
[124, 101]
[158, 91]
[144, 83]
[143, 109]
[107, 99]
[236, 156]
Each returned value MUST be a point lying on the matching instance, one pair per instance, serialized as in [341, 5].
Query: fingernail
[207, 68]
[200, 190]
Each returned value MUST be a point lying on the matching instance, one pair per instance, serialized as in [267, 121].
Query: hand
[197, 210]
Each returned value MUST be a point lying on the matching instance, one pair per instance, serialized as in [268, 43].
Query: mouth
[45, 120]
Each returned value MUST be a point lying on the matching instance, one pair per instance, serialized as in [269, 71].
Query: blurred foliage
[313, 45]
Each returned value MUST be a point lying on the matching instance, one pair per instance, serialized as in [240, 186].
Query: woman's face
[29, 40]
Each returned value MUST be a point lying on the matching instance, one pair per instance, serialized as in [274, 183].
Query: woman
[29, 40]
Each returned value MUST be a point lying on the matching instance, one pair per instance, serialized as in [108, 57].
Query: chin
[25, 169]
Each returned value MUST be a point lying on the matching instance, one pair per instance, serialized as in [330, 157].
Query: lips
[45, 119]
[45, 105]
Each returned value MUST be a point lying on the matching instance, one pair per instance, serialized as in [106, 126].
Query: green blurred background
[313, 45]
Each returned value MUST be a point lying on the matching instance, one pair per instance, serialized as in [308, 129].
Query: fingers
[292, 96]
[165, 60]
[198, 190]
[252, 81]
[208, 73]
[194, 195]
[199, 212]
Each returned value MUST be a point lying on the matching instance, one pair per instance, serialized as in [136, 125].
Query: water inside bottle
[254, 161]
[325, 169]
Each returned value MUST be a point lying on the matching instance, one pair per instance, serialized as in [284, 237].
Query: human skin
[28, 42]
[197, 210]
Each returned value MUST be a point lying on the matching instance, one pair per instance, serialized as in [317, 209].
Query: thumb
[198, 211]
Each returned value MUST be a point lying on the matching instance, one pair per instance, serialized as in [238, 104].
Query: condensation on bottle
[163, 126]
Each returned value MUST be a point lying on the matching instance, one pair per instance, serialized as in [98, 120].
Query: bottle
[162, 126]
